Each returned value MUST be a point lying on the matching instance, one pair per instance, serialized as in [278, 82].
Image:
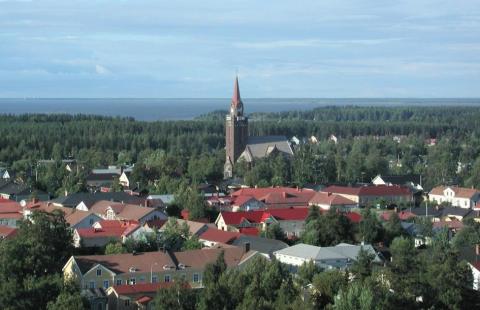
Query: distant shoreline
[152, 109]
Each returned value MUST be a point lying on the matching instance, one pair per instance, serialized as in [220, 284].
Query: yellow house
[104, 271]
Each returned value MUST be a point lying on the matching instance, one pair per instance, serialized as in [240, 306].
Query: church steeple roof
[236, 92]
[236, 105]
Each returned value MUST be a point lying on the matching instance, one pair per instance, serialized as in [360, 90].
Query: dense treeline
[166, 150]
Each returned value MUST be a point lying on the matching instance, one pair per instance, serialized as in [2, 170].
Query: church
[239, 146]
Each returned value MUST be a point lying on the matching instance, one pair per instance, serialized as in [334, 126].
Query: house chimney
[284, 194]
[246, 247]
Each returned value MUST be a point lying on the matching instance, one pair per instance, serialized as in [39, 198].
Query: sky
[193, 49]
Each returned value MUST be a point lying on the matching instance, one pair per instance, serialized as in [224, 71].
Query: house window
[127, 302]
[92, 284]
[133, 281]
[99, 307]
[99, 272]
[154, 279]
[91, 222]
[196, 278]
[142, 279]
[167, 278]
[106, 284]
[119, 282]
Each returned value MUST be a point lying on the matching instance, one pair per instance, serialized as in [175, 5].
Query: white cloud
[101, 70]
[311, 43]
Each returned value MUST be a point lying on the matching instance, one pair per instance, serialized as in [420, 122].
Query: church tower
[236, 131]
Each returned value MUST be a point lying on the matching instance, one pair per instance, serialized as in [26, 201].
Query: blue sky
[167, 49]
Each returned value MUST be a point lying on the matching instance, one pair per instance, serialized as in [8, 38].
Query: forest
[371, 140]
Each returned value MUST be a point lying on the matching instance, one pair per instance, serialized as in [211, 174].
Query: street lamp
[151, 271]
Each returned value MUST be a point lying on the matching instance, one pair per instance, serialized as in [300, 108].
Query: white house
[461, 197]
[340, 256]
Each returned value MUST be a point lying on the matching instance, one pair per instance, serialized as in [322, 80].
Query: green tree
[370, 228]
[273, 231]
[356, 296]
[362, 266]
[306, 272]
[326, 286]
[114, 248]
[178, 296]
[393, 228]
[31, 263]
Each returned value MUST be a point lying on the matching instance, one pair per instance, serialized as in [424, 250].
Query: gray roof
[259, 244]
[401, 179]
[89, 199]
[259, 147]
[340, 251]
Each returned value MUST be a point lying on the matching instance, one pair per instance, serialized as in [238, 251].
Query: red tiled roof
[109, 231]
[9, 207]
[7, 232]
[240, 200]
[476, 265]
[184, 214]
[324, 198]
[449, 224]
[376, 190]
[216, 235]
[290, 214]
[250, 231]
[402, 215]
[235, 218]
[144, 299]
[141, 288]
[278, 195]
[354, 217]
[258, 216]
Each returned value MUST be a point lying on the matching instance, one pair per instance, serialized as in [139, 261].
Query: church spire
[236, 107]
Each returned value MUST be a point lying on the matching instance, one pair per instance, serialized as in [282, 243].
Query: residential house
[75, 218]
[365, 195]
[246, 203]
[340, 256]
[461, 197]
[194, 228]
[103, 232]
[291, 220]
[109, 210]
[413, 181]
[18, 192]
[326, 201]
[104, 271]
[105, 177]
[213, 237]
[264, 246]
[136, 297]
[84, 201]
[10, 213]
[277, 197]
